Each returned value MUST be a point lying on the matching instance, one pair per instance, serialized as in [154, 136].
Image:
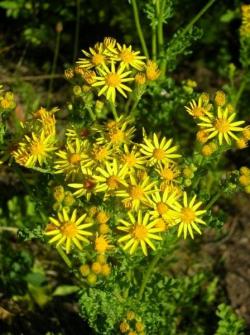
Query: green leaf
[65, 290]
[10, 4]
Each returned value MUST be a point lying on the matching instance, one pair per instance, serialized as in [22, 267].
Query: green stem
[64, 257]
[240, 91]
[77, 29]
[160, 10]
[197, 16]
[53, 69]
[138, 27]
[113, 108]
[214, 198]
[147, 274]
[154, 45]
[91, 114]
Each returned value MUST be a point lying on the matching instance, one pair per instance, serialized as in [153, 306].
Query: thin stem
[214, 198]
[77, 29]
[154, 44]
[240, 91]
[64, 257]
[197, 16]
[160, 10]
[91, 114]
[138, 27]
[53, 69]
[147, 274]
[113, 108]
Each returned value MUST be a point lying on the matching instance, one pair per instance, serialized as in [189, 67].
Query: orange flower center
[113, 80]
[162, 208]
[117, 136]
[140, 232]
[97, 59]
[187, 215]
[88, 184]
[113, 182]
[198, 111]
[222, 125]
[136, 192]
[127, 56]
[102, 217]
[168, 174]
[69, 229]
[101, 245]
[37, 148]
[100, 154]
[74, 159]
[159, 154]
[129, 159]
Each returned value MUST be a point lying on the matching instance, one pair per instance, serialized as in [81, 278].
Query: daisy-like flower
[168, 172]
[152, 70]
[36, 149]
[47, 120]
[95, 57]
[163, 204]
[199, 109]
[158, 152]
[189, 216]
[110, 178]
[86, 187]
[71, 160]
[129, 58]
[137, 192]
[132, 159]
[99, 154]
[222, 126]
[66, 229]
[112, 80]
[102, 244]
[140, 231]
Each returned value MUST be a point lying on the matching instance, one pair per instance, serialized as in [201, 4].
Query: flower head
[140, 231]
[129, 58]
[189, 216]
[222, 125]
[112, 80]
[67, 229]
[159, 152]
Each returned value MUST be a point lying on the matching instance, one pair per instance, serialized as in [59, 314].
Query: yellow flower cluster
[93, 270]
[7, 101]
[137, 180]
[132, 325]
[245, 25]
[245, 178]
[111, 67]
[216, 121]
[38, 140]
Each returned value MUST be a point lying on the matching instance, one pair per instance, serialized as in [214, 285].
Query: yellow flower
[220, 98]
[199, 109]
[66, 230]
[188, 216]
[36, 149]
[132, 158]
[112, 80]
[139, 232]
[152, 71]
[136, 193]
[95, 57]
[127, 57]
[102, 244]
[72, 159]
[110, 178]
[110, 43]
[168, 172]
[47, 120]
[163, 204]
[86, 187]
[221, 126]
[159, 152]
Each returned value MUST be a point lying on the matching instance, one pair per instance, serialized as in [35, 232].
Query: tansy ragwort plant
[122, 194]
